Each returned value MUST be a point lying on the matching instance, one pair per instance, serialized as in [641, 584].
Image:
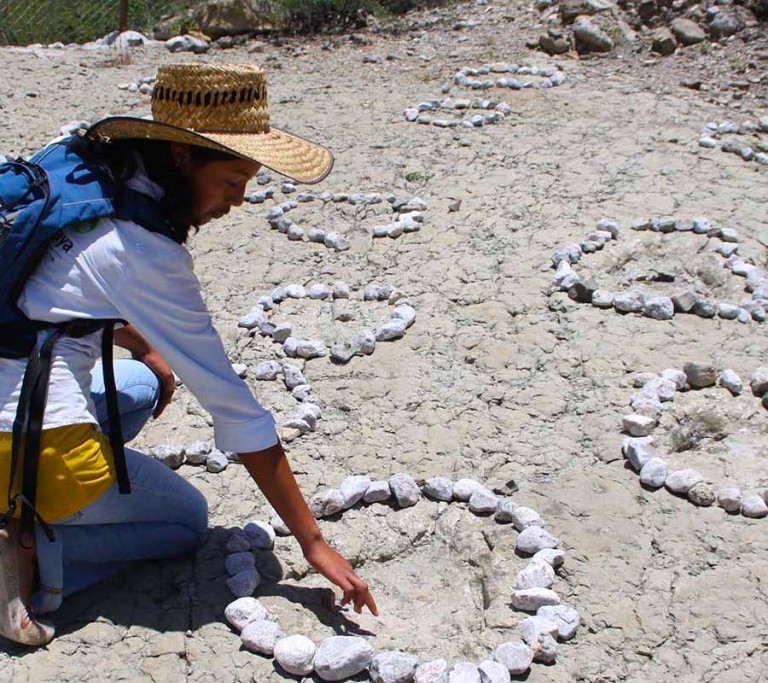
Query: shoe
[16, 624]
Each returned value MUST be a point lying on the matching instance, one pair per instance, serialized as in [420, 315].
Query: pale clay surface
[494, 381]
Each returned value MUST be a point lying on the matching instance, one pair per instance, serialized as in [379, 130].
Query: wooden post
[123, 15]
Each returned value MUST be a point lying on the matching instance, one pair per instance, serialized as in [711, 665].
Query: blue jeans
[164, 516]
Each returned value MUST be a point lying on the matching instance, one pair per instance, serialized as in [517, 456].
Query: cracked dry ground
[494, 381]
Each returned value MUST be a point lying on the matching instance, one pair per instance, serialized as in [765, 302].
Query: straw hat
[223, 107]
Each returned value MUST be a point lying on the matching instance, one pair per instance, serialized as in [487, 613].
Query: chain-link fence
[23, 22]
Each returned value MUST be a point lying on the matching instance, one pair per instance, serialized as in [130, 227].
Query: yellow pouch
[76, 467]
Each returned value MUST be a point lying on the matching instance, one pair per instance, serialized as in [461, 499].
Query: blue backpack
[56, 188]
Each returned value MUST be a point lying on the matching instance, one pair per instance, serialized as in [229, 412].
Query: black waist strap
[28, 427]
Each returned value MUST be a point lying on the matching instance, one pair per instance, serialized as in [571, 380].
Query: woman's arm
[128, 338]
[272, 473]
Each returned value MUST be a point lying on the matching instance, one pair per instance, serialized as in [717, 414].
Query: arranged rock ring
[393, 327]
[494, 112]
[713, 136]
[649, 462]
[634, 300]
[466, 77]
[410, 216]
[340, 657]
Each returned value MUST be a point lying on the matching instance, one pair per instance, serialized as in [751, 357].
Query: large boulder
[231, 17]
[727, 22]
[687, 32]
[664, 42]
[590, 37]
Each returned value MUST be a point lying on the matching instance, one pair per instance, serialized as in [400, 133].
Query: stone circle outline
[660, 307]
[650, 464]
[536, 635]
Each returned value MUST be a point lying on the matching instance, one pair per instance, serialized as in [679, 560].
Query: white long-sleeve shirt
[117, 269]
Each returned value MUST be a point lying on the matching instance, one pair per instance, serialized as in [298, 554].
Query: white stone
[532, 628]
[319, 291]
[569, 253]
[678, 377]
[216, 461]
[515, 657]
[366, 340]
[629, 302]
[754, 506]
[353, 489]
[531, 599]
[493, 672]
[603, 299]
[524, 517]
[377, 492]
[295, 654]
[404, 312]
[261, 636]
[393, 667]
[681, 481]
[439, 488]
[659, 308]
[464, 488]
[759, 381]
[535, 575]
[638, 425]
[729, 499]
[295, 291]
[293, 377]
[405, 489]
[533, 539]
[282, 332]
[483, 502]
[243, 584]
[311, 349]
[391, 329]
[654, 473]
[564, 616]
[639, 452]
[243, 611]
[545, 650]
[326, 503]
[280, 527]
[171, 456]
[260, 534]
[316, 235]
[552, 556]
[340, 657]
[198, 452]
[340, 290]
[267, 371]
[505, 509]
[662, 388]
[728, 379]
[464, 672]
[435, 671]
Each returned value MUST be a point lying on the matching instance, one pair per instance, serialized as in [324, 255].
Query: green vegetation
[78, 21]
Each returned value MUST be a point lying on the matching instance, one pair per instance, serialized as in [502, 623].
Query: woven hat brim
[290, 155]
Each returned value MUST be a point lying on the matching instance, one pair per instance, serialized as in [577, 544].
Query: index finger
[363, 597]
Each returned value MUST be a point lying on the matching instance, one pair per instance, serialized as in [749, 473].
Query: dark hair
[118, 158]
